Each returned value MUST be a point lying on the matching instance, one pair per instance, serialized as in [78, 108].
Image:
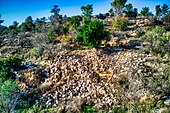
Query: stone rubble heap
[89, 75]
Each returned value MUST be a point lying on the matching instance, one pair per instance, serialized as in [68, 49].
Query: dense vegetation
[9, 90]
[29, 46]
[92, 33]
[7, 65]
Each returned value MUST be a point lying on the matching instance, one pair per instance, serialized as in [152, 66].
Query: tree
[13, 29]
[29, 19]
[111, 12]
[64, 19]
[55, 10]
[145, 11]
[158, 10]
[129, 8]
[56, 20]
[135, 12]
[118, 6]
[165, 9]
[1, 21]
[87, 10]
[14, 26]
[75, 21]
[101, 16]
[3, 29]
[43, 19]
[50, 35]
[40, 24]
[92, 33]
[130, 12]
[28, 25]
[106, 14]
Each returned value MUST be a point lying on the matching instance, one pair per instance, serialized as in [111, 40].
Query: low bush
[38, 51]
[9, 96]
[88, 108]
[159, 82]
[74, 22]
[50, 35]
[158, 41]
[120, 23]
[92, 33]
[7, 65]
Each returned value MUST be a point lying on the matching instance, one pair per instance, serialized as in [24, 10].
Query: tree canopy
[118, 6]
[1, 21]
[28, 25]
[158, 10]
[165, 9]
[145, 11]
[130, 11]
[87, 10]
[55, 10]
[129, 7]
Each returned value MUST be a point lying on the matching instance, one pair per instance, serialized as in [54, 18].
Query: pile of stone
[89, 75]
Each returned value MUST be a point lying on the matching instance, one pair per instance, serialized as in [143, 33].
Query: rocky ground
[80, 77]
[85, 76]
[109, 77]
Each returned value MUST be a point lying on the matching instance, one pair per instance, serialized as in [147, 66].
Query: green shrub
[120, 23]
[50, 35]
[158, 41]
[92, 33]
[9, 96]
[6, 64]
[5, 73]
[145, 11]
[88, 108]
[31, 109]
[12, 62]
[74, 22]
[160, 82]
[137, 107]
[38, 51]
